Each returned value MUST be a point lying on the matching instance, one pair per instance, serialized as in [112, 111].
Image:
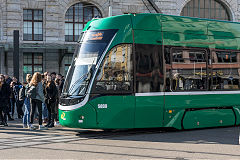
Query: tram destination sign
[98, 36]
[95, 36]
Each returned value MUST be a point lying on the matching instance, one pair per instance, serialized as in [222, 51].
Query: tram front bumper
[83, 117]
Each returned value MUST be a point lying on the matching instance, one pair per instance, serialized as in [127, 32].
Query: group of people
[40, 91]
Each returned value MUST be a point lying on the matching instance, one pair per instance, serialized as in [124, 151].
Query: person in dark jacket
[19, 103]
[44, 106]
[61, 83]
[53, 75]
[8, 81]
[4, 94]
[50, 93]
[12, 99]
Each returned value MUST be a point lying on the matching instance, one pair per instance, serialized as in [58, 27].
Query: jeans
[12, 108]
[35, 103]
[45, 111]
[26, 117]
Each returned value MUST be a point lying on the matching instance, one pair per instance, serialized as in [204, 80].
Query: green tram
[154, 70]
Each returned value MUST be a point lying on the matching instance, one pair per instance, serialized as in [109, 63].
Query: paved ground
[65, 143]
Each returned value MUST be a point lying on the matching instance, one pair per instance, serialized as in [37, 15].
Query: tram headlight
[82, 117]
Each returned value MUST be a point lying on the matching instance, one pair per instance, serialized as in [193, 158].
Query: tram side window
[115, 73]
[167, 58]
[187, 73]
[225, 70]
[149, 68]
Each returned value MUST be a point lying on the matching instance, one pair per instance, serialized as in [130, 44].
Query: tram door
[114, 101]
[149, 86]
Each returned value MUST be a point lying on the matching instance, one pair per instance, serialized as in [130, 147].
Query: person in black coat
[8, 81]
[50, 93]
[16, 86]
[12, 99]
[61, 83]
[4, 94]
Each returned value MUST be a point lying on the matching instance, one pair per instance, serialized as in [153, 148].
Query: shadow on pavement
[227, 135]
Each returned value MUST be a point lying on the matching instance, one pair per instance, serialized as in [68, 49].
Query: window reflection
[225, 70]
[226, 57]
[187, 72]
[178, 57]
[115, 75]
[149, 69]
[195, 69]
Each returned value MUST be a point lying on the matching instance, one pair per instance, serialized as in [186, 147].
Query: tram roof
[153, 21]
[177, 30]
[166, 15]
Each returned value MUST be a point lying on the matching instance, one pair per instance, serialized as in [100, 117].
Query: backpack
[22, 94]
[31, 92]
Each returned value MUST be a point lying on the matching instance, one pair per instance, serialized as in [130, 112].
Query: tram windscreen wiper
[75, 83]
[87, 75]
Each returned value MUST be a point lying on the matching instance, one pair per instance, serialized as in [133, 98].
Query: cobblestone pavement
[66, 143]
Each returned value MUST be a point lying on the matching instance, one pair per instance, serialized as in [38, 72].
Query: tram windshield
[86, 56]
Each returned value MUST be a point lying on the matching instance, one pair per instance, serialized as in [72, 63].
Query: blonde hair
[1, 83]
[28, 78]
[37, 77]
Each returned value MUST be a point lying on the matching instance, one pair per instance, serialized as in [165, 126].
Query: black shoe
[2, 123]
[47, 125]
[5, 124]
[51, 125]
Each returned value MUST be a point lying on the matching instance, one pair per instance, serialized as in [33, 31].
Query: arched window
[211, 9]
[76, 17]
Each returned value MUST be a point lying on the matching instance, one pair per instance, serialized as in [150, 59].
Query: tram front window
[115, 73]
[85, 59]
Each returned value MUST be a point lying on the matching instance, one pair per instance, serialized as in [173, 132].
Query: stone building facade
[52, 52]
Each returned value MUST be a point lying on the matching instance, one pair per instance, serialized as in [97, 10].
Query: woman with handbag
[35, 93]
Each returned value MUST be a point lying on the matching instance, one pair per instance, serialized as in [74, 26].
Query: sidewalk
[67, 143]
